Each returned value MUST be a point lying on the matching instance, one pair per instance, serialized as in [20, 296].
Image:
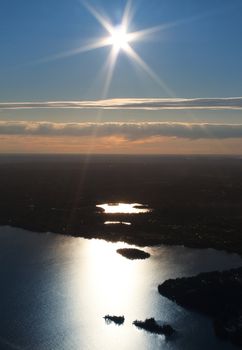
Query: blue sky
[197, 55]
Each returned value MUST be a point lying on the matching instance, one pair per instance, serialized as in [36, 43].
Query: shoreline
[133, 236]
[195, 202]
[215, 294]
[177, 290]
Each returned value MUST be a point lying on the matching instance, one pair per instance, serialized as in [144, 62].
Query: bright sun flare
[119, 38]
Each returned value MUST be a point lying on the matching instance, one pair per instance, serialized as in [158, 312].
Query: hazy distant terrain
[196, 201]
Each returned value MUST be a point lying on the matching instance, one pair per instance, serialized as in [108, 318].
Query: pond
[124, 208]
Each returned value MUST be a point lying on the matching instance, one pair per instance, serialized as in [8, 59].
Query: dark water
[55, 291]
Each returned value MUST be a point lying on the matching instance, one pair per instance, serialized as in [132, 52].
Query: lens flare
[119, 38]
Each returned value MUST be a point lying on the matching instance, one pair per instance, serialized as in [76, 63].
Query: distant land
[196, 200]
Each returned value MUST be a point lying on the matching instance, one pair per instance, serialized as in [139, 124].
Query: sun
[119, 37]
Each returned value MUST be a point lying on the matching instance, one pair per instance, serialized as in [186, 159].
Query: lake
[124, 208]
[55, 291]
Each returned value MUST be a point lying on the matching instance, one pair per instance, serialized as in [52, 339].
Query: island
[133, 253]
[195, 201]
[152, 326]
[116, 319]
[216, 294]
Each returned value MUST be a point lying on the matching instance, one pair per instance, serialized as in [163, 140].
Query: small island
[133, 253]
[151, 325]
[116, 319]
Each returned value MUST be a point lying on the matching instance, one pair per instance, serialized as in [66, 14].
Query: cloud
[128, 131]
[229, 103]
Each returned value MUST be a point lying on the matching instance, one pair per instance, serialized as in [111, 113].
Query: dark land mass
[116, 319]
[196, 201]
[217, 294]
[133, 253]
[151, 325]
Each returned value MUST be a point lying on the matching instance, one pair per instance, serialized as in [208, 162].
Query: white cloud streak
[128, 131]
[229, 103]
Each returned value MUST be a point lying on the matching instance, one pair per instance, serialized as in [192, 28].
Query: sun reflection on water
[66, 285]
[109, 269]
[112, 283]
[124, 208]
[117, 223]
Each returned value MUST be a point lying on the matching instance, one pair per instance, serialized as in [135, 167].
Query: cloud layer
[230, 103]
[128, 131]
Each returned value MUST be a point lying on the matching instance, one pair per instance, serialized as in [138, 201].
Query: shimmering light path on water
[55, 291]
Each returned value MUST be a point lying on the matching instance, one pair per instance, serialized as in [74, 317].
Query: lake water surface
[124, 208]
[55, 291]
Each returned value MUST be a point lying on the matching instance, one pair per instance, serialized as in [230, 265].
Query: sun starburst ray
[143, 34]
[133, 54]
[92, 45]
[109, 68]
[119, 38]
[105, 23]
[128, 14]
